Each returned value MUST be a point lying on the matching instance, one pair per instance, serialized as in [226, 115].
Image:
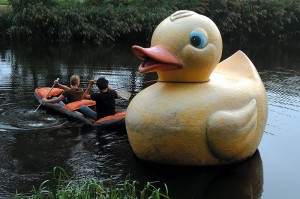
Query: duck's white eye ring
[197, 39]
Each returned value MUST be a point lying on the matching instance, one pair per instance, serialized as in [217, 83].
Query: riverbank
[110, 21]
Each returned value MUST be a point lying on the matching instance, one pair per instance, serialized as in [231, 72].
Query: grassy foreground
[61, 187]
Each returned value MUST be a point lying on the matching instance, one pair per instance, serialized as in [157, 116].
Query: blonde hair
[74, 79]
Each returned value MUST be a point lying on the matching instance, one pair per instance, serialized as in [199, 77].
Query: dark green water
[32, 143]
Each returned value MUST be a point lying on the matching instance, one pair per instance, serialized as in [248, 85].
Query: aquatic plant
[62, 187]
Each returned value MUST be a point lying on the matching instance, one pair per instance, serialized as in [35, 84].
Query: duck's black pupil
[195, 41]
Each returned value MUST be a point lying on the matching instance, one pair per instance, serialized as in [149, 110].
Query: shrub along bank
[111, 20]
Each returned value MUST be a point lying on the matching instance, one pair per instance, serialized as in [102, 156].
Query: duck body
[217, 117]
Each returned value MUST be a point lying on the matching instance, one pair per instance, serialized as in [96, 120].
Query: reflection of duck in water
[200, 112]
[237, 181]
[241, 181]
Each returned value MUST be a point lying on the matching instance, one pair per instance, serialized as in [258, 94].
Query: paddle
[124, 94]
[46, 95]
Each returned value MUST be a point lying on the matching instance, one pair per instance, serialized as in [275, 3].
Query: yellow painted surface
[206, 113]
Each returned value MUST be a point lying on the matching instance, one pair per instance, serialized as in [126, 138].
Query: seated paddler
[105, 100]
[70, 94]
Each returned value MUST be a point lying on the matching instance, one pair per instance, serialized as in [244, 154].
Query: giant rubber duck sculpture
[200, 112]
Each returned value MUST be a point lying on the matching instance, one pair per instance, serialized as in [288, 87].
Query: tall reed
[62, 187]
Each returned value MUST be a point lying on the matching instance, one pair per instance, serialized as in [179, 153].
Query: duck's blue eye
[197, 39]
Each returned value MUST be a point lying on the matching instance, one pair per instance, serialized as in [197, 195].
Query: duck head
[185, 47]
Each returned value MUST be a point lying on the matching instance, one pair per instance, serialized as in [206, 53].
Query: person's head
[102, 83]
[74, 80]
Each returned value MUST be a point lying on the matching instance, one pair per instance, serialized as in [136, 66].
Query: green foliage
[104, 21]
[19, 5]
[3, 2]
[5, 22]
[268, 18]
[64, 188]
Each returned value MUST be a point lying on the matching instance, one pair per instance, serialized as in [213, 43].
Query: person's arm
[88, 89]
[55, 100]
[118, 96]
[64, 87]
[109, 87]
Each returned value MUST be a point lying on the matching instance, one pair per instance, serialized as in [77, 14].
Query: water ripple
[15, 117]
[283, 90]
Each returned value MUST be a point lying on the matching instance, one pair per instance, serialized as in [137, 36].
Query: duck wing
[238, 65]
[230, 132]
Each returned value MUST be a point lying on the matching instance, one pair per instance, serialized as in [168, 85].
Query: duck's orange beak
[156, 59]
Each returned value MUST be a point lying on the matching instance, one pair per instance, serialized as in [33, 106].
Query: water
[32, 143]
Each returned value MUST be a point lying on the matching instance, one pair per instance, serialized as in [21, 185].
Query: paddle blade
[124, 94]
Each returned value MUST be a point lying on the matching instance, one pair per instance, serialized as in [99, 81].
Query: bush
[109, 20]
[19, 5]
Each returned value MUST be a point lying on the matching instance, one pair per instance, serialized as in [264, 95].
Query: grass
[3, 2]
[61, 187]
[4, 8]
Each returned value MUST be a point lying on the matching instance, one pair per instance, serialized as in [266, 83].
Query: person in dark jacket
[105, 100]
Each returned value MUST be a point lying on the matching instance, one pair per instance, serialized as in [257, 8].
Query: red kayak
[70, 109]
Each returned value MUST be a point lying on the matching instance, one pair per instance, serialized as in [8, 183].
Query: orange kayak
[70, 109]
